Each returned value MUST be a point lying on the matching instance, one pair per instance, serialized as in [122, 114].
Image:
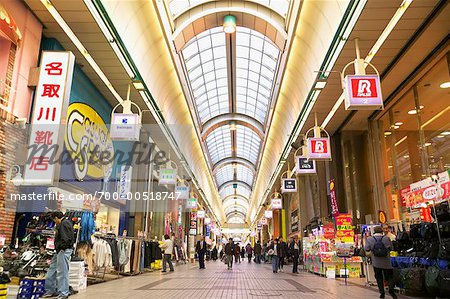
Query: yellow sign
[87, 140]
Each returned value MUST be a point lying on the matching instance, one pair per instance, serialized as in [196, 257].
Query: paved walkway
[244, 281]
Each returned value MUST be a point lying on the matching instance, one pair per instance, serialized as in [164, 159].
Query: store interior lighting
[445, 85]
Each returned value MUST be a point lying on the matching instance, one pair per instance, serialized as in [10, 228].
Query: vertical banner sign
[193, 224]
[167, 176]
[363, 92]
[333, 199]
[289, 185]
[277, 203]
[382, 216]
[304, 166]
[191, 203]
[344, 228]
[319, 148]
[182, 191]
[125, 181]
[49, 112]
[268, 214]
[294, 221]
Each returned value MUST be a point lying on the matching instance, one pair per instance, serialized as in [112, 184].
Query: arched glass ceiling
[230, 201]
[256, 63]
[248, 144]
[225, 174]
[244, 174]
[219, 144]
[232, 209]
[205, 59]
[229, 190]
[236, 219]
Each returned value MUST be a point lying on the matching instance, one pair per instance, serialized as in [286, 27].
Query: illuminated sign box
[363, 92]
[319, 148]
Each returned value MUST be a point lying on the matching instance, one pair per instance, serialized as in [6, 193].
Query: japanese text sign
[125, 127]
[319, 148]
[344, 228]
[333, 199]
[268, 214]
[363, 92]
[167, 176]
[49, 112]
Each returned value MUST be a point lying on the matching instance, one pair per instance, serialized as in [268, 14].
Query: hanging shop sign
[49, 111]
[125, 127]
[207, 220]
[167, 176]
[182, 191]
[288, 185]
[344, 228]
[268, 214]
[362, 92]
[201, 214]
[87, 135]
[191, 203]
[126, 172]
[277, 203]
[264, 221]
[319, 148]
[259, 226]
[333, 199]
[193, 224]
[304, 166]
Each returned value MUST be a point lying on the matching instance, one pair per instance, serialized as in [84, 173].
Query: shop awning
[8, 27]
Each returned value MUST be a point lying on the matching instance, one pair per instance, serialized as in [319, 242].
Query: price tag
[50, 244]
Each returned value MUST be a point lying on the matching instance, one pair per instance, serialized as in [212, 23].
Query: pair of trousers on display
[57, 278]
[275, 263]
[167, 259]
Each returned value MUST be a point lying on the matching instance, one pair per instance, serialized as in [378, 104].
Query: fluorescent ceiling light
[229, 24]
[138, 85]
[400, 141]
[320, 84]
[55, 14]
[445, 133]
[445, 85]
[387, 133]
[440, 136]
[427, 144]
[398, 123]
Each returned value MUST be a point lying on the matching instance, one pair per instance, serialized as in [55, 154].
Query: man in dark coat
[201, 251]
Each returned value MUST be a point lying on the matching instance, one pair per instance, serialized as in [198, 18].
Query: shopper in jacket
[237, 253]
[249, 252]
[381, 264]
[167, 247]
[257, 251]
[275, 252]
[294, 249]
[57, 278]
[200, 248]
[283, 252]
[229, 252]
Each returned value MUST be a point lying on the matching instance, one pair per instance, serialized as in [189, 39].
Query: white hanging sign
[268, 214]
[201, 214]
[167, 176]
[319, 148]
[288, 185]
[49, 112]
[191, 203]
[304, 166]
[125, 127]
[277, 203]
[362, 92]
[182, 192]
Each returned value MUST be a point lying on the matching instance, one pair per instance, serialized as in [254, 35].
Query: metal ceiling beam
[234, 160]
[238, 118]
[230, 183]
[232, 207]
[237, 213]
[233, 197]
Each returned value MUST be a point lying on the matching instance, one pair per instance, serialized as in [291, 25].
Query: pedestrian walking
[294, 249]
[229, 252]
[274, 252]
[200, 248]
[257, 251]
[167, 247]
[249, 252]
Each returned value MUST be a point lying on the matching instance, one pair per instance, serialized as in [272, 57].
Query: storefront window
[416, 134]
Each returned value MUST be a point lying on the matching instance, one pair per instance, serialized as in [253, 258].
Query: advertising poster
[344, 228]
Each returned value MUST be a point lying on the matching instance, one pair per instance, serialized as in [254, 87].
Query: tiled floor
[244, 281]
